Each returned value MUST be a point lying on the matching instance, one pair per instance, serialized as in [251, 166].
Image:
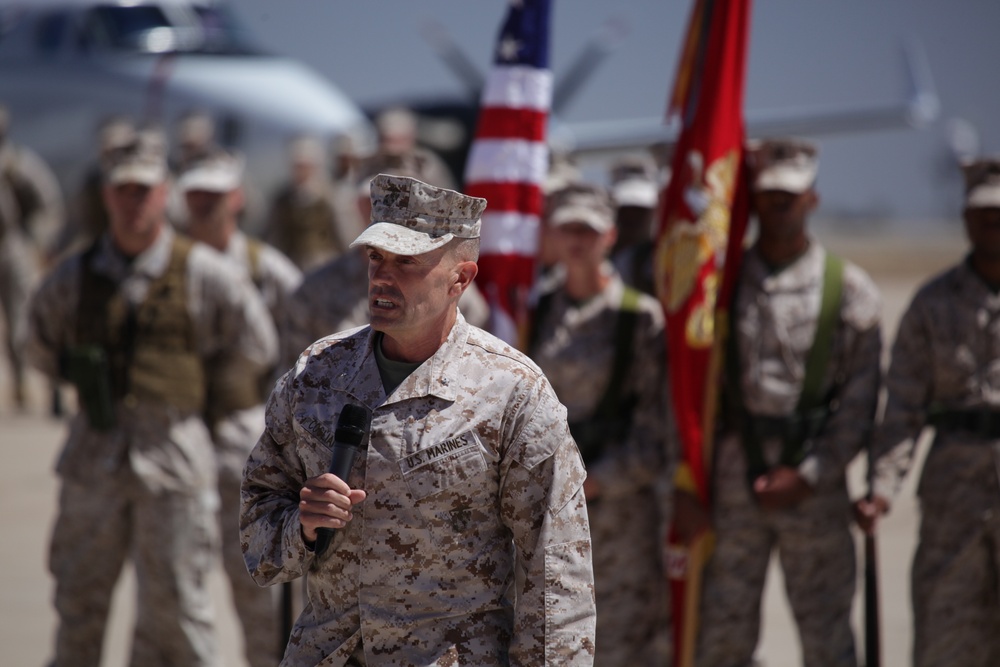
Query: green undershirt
[392, 372]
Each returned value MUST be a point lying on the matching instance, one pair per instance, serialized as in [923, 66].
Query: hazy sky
[821, 53]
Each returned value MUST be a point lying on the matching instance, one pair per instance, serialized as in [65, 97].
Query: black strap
[612, 415]
[983, 422]
[609, 406]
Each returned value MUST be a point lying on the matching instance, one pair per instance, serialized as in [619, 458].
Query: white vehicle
[67, 65]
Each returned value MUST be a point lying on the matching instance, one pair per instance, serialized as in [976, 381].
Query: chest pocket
[453, 490]
[456, 465]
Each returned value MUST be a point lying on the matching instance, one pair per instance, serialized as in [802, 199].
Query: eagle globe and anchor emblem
[686, 247]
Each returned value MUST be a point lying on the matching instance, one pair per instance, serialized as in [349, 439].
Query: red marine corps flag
[699, 243]
[508, 162]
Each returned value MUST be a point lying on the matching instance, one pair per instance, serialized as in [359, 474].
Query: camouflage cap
[982, 183]
[789, 164]
[410, 217]
[582, 202]
[217, 171]
[142, 160]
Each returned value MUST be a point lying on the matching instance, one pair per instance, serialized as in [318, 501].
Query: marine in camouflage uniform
[133, 322]
[305, 222]
[462, 533]
[945, 372]
[794, 498]
[213, 193]
[578, 340]
[33, 213]
[399, 152]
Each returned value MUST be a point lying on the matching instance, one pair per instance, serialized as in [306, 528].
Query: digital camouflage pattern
[575, 348]
[472, 477]
[775, 318]
[946, 354]
[411, 218]
[146, 488]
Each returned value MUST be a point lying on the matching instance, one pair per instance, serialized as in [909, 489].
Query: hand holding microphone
[352, 427]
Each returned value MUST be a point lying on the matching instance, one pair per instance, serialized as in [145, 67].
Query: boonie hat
[410, 217]
[142, 160]
[218, 171]
[789, 165]
[582, 202]
[982, 183]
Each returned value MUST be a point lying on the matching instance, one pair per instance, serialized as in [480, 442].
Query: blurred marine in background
[135, 322]
[801, 388]
[945, 373]
[212, 189]
[32, 213]
[602, 346]
[304, 222]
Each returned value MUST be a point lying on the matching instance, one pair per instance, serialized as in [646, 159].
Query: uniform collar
[152, 262]
[438, 375]
[802, 272]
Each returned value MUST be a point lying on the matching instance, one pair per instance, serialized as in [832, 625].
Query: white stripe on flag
[509, 233]
[518, 87]
[507, 161]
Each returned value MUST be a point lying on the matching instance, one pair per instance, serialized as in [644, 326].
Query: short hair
[465, 250]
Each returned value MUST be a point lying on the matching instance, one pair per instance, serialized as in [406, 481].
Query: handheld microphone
[352, 426]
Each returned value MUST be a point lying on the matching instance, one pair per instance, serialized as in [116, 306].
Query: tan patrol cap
[217, 171]
[633, 181]
[410, 217]
[982, 183]
[787, 164]
[582, 202]
[142, 160]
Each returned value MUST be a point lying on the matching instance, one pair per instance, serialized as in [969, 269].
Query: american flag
[508, 162]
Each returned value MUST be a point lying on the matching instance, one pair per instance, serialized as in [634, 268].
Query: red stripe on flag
[519, 197]
[504, 123]
[506, 283]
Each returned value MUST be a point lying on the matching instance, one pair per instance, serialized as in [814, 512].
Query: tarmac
[31, 441]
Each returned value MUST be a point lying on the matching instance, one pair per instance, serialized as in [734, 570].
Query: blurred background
[806, 56]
